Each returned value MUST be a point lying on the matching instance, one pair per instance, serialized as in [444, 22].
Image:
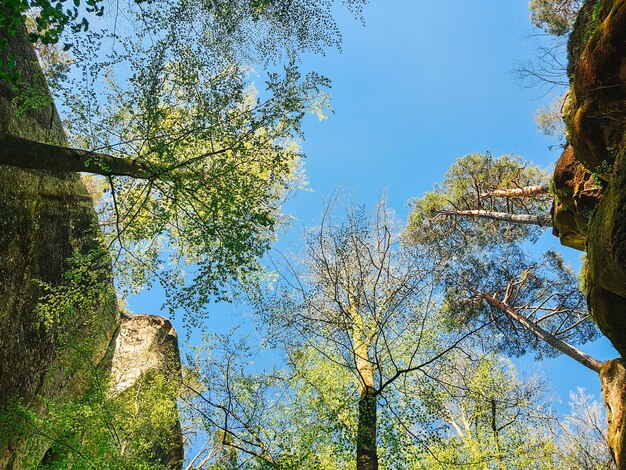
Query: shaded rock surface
[590, 185]
[590, 177]
[576, 194]
[45, 218]
[613, 378]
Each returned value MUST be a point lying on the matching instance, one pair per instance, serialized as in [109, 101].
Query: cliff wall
[58, 314]
[590, 186]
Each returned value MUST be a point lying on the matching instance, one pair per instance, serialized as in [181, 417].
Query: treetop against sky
[422, 84]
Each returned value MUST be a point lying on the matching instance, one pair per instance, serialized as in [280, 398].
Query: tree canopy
[196, 157]
[481, 221]
[483, 200]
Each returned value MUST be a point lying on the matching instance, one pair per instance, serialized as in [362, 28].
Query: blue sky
[421, 84]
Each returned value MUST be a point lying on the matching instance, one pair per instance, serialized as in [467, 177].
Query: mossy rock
[590, 180]
[613, 379]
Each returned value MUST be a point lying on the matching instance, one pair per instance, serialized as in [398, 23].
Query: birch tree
[365, 304]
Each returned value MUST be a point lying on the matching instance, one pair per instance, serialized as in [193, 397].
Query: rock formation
[590, 183]
[145, 345]
[613, 378]
[50, 354]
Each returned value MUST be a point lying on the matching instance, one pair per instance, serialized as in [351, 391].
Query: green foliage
[582, 440]
[303, 415]
[444, 398]
[176, 95]
[492, 418]
[358, 314]
[544, 289]
[52, 18]
[549, 120]
[87, 286]
[224, 153]
[241, 26]
[31, 96]
[100, 431]
[554, 16]
[489, 258]
[593, 23]
[467, 186]
[296, 416]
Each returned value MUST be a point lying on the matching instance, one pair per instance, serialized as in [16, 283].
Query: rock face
[45, 219]
[590, 184]
[145, 345]
[46, 355]
[590, 177]
[613, 378]
[577, 192]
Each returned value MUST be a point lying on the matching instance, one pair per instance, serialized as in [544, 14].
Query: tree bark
[28, 154]
[549, 338]
[543, 220]
[366, 451]
[525, 191]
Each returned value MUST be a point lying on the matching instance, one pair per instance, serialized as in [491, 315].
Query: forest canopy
[417, 339]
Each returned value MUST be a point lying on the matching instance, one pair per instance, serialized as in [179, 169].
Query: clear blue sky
[421, 84]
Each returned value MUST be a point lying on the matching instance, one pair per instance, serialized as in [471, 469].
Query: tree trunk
[543, 220]
[496, 437]
[525, 191]
[366, 452]
[28, 154]
[549, 338]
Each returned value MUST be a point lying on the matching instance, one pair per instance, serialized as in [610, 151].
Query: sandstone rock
[577, 192]
[613, 378]
[45, 219]
[144, 345]
[590, 179]
[596, 119]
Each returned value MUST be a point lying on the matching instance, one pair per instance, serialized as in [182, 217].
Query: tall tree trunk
[543, 220]
[496, 437]
[549, 338]
[366, 450]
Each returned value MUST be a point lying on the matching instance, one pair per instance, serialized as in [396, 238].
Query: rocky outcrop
[590, 178]
[143, 346]
[50, 347]
[590, 185]
[44, 220]
[613, 378]
[576, 193]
